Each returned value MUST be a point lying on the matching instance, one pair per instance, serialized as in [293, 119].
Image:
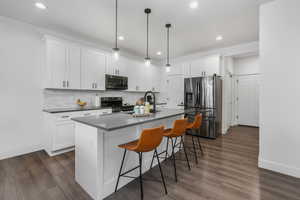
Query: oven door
[116, 82]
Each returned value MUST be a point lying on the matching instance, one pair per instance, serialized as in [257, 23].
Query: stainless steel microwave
[116, 82]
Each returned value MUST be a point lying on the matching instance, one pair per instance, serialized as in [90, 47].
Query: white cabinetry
[63, 65]
[144, 78]
[117, 67]
[93, 65]
[60, 130]
[209, 66]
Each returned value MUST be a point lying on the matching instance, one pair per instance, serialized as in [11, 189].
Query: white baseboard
[279, 167]
[21, 151]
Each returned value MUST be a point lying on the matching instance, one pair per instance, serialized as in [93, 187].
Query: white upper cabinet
[176, 70]
[63, 65]
[117, 67]
[206, 65]
[93, 64]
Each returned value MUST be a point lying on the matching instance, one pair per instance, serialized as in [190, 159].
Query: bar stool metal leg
[120, 170]
[167, 148]
[141, 178]
[161, 173]
[174, 161]
[200, 146]
[195, 152]
[187, 159]
[152, 160]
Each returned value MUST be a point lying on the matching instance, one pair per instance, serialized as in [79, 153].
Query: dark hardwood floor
[227, 171]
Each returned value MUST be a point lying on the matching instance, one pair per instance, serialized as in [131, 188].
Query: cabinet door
[176, 70]
[93, 70]
[175, 90]
[64, 135]
[74, 66]
[57, 64]
[134, 76]
[156, 78]
[210, 65]
[117, 67]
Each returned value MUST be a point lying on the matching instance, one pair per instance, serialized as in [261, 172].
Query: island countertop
[115, 121]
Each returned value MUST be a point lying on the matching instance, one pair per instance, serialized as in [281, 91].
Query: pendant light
[168, 65]
[116, 49]
[147, 59]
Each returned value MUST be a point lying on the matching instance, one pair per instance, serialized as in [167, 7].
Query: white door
[248, 100]
[175, 90]
[93, 69]
[57, 64]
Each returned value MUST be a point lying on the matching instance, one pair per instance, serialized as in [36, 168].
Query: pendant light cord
[116, 39]
[147, 35]
[168, 48]
[168, 26]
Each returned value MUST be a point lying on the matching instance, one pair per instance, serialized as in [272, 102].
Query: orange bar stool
[178, 131]
[192, 128]
[149, 140]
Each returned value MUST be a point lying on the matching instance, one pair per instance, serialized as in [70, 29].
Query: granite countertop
[115, 121]
[75, 109]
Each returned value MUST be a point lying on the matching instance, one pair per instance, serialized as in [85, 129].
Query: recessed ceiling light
[159, 53]
[219, 38]
[121, 37]
[40, 6]
[194, 4]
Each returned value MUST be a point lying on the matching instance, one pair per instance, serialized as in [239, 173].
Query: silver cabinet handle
[65, 116]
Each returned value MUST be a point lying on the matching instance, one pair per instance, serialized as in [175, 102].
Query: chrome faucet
[154, 101]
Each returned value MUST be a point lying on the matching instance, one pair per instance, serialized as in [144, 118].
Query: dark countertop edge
[125, 126]
[64, 110]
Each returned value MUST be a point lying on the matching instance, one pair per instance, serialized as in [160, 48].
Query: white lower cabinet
[60, 130]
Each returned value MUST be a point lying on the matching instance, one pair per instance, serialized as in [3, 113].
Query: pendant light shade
[147, 59]
[168, 65]
[116, 49]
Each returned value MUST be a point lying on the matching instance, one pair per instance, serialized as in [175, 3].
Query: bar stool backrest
[150, 139]
[179, 127]
[197, 121]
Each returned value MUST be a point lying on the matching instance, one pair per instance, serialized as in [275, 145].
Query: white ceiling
[193, 30]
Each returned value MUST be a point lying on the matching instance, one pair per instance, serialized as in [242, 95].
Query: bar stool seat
[149, 140]
[131, 146]
[168, 133]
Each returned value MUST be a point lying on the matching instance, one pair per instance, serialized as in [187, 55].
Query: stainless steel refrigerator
[204, 95]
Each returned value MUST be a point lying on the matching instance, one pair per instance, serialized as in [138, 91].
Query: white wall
[20, 93]
[280, 96]
[246, 65]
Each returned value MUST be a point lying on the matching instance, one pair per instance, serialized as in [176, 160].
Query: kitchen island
[97, 156]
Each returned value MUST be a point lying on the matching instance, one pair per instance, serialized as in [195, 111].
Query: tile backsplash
[68, 98]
